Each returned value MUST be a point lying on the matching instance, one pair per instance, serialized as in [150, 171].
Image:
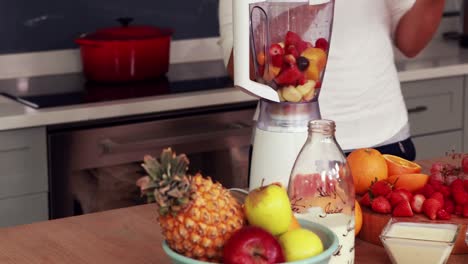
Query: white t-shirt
[360, 91]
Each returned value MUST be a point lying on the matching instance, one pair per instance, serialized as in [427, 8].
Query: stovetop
[73, 89]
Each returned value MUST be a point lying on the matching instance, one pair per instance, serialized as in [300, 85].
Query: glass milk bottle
[321, 187]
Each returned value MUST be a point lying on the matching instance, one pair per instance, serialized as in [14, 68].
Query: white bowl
[418, 242]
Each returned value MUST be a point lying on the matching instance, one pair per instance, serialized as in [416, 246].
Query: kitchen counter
[129, 235]
[439, 59]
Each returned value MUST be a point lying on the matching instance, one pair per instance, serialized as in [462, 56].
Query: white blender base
[273, 156]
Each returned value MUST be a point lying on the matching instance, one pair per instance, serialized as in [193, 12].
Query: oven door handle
[114, 146]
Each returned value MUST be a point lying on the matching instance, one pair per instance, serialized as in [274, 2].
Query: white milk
[416, 243]
[342, 225]
[273, 156]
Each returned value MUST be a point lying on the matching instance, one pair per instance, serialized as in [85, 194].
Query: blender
[280, 55]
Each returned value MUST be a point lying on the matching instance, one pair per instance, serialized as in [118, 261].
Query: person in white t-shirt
[361, 91]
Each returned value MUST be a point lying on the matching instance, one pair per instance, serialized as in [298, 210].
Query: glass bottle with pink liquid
[321, 187]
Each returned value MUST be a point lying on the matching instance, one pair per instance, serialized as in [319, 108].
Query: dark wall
[38, 25]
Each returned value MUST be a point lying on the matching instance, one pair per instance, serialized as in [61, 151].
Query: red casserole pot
[126, 53]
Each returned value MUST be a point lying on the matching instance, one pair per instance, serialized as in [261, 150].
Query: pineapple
[196, 215]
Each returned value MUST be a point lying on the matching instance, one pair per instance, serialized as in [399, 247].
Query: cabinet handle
[113, 146]
[417, 109]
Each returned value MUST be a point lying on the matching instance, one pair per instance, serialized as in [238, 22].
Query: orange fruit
[398, 165]
[366, 165]
[357, 218]
[410, 181]
[294, 223]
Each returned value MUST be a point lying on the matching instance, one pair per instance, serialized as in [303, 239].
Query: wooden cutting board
[373, 224]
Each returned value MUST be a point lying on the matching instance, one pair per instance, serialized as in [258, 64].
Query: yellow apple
[300, 244]
[269, 207]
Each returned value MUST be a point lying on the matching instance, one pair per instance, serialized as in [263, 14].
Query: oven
[94, 165]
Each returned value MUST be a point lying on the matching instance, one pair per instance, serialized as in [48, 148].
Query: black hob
[73, 89]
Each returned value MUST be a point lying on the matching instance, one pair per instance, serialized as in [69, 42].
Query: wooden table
[129, 235]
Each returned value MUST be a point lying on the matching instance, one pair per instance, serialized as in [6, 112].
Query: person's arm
[417, 27]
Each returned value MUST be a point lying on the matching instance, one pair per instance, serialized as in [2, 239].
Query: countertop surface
[127, 235]
[439, 59]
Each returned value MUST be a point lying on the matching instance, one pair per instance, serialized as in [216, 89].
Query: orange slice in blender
[397, 165]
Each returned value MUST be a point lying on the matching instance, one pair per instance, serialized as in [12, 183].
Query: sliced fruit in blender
[290, 59]
[291, 94]
[312, 72]
[322, 43]
[309, 96]
[261, 58]
[306, 88]
[271, 73]
[289, 76]
[294, 39]
[317, 56]
[276, 53]
[291, 49]
[302, 63]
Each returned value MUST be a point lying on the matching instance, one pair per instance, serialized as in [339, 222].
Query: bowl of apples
[266, 239]
[250, 243]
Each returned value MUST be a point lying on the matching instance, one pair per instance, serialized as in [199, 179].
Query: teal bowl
[329, 240]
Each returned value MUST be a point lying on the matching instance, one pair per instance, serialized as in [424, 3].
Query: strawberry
[321, 43]
[403, 209]
[465, 185]
[276, 49]
[417, 203]
[318, 85]
[464, 164]
[276, 53]
[437, 184]
[290, 59]
[465, 211]
[439, 197]
[406, 194]
[395, 198]
[381, 205]
[292, 39]
[457, 185]
[292, 50]
[366, 200]
[449, 206]
[295, 40]
[458, 209]
[460, 196]
[445, 190]
[380, 188]
[427, 190]
[430, 208]
[443, 215]
[289, 76]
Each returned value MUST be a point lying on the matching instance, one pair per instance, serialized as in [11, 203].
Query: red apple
[250, 245]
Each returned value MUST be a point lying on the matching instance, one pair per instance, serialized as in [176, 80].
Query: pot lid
[128, 32]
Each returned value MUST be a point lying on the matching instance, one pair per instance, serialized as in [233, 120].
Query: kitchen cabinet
[436, 115]
[23, 177]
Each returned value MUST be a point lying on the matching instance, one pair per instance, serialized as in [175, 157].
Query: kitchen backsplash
[31, 25]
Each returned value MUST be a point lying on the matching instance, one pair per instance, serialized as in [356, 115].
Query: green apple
[300, 244]
[269, 207]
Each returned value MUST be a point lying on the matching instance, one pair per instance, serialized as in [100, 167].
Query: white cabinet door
[434, 105]
[437, 145]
